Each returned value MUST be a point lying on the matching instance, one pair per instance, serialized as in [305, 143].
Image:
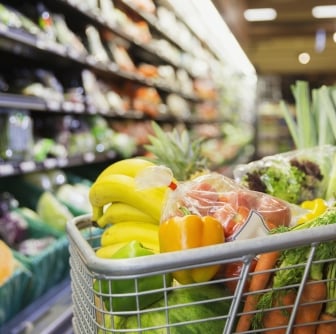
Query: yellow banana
[121, 188]
[146, 233]
[107, 252]
[129, 167]
[119, 212]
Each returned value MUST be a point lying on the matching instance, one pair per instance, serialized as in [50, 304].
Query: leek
[292, 126]
[315, 123]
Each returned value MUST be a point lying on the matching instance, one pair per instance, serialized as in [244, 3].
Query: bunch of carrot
[275, 288]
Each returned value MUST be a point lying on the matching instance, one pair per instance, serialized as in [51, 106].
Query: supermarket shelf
[23, 167]
[50, 314]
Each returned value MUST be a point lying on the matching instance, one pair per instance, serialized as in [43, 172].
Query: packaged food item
[294, 176]
[16, 135]
[243, 213]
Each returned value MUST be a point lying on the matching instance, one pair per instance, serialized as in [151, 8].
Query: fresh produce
[116, 184]
[52, 211]
[232, 272]
[146, 233]
[177, 151]
[315, 122]
[315, 208]
[124, 293]
[290, 264]
[258, 282]
[34, 246]
[7, 263]
[329, 312]
[13, 228]
[294, 176]
[130, 167]
[189, 310]
[191, 231]
[122, 212]
[74, 195]
[215, 195]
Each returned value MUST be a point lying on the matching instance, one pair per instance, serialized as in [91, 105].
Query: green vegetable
[292, 262]
[187, 304]
[281, 180]
[331, 189]
[52, 211]
[314, 123]
[294, 176]
[127, 300]
[283, 183]
[331, 289]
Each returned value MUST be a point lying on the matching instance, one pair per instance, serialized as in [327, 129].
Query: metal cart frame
[91, 316]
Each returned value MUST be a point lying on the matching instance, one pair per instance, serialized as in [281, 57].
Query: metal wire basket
[93, 304]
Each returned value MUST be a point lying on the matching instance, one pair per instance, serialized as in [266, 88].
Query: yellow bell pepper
[191, 231]
[316, 207]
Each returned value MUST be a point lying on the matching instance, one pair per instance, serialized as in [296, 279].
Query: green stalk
[292, 126]
[331, 289]
[331, 189]
[321, 119]
[306, 130]
[328, 107]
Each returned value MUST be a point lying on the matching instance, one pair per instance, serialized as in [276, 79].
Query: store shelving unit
[20, 49]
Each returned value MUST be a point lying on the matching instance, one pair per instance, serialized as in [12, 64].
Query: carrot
[314, 292]
[279, 316]
[328, 327]
[258, 282]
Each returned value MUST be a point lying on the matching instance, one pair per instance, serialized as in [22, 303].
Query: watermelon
[184, 306]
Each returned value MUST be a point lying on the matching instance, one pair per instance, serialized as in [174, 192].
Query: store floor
[50, 314]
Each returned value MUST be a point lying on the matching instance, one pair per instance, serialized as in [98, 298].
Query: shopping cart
[93, 306]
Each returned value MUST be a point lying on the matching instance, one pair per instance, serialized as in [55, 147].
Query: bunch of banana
[114, 196]
[118, 235]
[126, 212]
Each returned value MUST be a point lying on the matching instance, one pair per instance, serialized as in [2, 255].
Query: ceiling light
[260, 14]
[334, 37]
[321, 12]
[304, 58]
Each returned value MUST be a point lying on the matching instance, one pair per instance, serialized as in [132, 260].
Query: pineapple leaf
[176, 150]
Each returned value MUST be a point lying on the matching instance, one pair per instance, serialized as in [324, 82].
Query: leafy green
[284, 183]
[292, 262]
[331, 289]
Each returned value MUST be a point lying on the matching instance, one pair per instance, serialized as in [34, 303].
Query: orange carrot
[328, 327]
[279, 316]
[314, 291]
[259, 281]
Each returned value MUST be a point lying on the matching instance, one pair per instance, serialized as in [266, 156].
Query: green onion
[315, 122]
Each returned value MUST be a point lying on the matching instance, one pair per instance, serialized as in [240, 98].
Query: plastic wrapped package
[294, 176]
[243, 213]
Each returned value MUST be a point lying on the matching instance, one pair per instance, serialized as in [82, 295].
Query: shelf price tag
[6, 169]
[50, 163]
[61, 162]
[53, 105]
[89, 157]
[27, 166]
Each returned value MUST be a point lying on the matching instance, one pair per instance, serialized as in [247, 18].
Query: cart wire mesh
[214, 306]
